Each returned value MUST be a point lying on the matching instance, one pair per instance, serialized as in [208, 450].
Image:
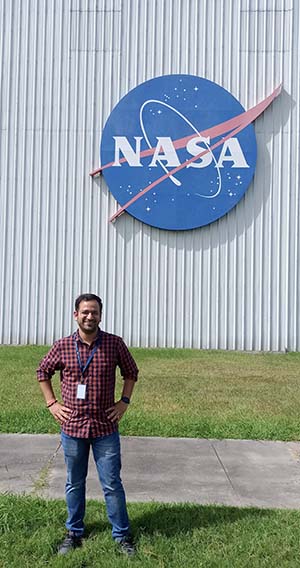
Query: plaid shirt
[88, 418]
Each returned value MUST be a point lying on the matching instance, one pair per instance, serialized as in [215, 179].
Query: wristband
[125, 399]
[51, 403]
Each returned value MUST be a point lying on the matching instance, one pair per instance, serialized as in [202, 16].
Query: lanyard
[82, 367]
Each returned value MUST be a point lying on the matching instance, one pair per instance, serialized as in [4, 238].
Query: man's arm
[46, 369]
[116, 412]
[129, 372]
[128, 386]
[60, 412]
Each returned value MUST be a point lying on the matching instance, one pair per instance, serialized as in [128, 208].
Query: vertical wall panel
[234, 284]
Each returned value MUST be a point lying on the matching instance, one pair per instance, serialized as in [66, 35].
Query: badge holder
[81, 391]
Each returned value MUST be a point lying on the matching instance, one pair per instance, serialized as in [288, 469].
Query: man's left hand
[116, 412]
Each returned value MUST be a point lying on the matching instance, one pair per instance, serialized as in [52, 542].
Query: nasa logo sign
[179, 151]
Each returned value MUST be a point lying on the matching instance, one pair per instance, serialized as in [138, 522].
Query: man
[89, 416]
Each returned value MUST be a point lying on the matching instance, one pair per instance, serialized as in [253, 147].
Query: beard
[88, 327]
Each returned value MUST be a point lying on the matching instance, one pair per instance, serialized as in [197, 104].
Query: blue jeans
[106, 451]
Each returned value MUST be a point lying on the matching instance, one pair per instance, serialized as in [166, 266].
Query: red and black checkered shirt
[88, 418]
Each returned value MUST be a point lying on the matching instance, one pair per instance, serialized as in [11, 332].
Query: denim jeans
[106, 451]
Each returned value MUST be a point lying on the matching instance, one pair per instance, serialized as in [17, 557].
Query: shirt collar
[78, 338]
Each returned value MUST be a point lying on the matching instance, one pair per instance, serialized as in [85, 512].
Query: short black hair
[87, 298]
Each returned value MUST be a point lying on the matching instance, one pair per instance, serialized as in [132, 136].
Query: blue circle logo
[177, 153]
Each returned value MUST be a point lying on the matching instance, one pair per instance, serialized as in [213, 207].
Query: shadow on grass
[174, 519]
[170, 520]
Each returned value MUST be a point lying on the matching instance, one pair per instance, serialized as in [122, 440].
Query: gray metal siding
[64, 64]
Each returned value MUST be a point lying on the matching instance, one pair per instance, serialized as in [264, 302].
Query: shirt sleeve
[126, 362]
[50, 363]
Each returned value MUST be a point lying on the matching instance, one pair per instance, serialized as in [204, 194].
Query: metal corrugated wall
[64, 65]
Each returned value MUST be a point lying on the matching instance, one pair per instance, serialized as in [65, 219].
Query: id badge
[81, 391]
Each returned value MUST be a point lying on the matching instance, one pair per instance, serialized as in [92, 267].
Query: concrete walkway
[229, 472]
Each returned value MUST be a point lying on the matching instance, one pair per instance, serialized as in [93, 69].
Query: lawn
[167, 536]
[181, 392]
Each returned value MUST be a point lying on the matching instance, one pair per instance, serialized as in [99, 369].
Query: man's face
[88, 316]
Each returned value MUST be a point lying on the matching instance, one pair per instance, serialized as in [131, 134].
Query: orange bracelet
[51, 403]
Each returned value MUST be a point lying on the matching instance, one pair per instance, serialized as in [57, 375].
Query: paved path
[229, 472]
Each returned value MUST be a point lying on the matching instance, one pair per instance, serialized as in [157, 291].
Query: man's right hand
[60, 412]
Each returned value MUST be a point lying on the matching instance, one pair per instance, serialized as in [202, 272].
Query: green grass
[167, 536]
[181, 392]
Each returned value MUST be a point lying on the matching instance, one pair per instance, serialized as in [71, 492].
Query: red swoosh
[233, 126]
